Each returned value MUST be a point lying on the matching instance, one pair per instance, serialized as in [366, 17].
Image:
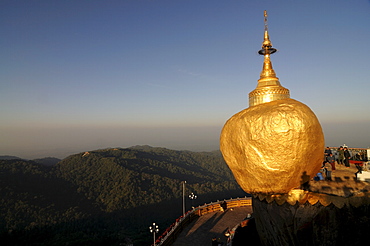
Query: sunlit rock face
[269, 146]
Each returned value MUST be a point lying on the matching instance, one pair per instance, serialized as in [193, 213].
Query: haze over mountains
[105, 196]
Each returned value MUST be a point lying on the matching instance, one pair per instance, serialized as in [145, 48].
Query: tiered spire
[268, 88]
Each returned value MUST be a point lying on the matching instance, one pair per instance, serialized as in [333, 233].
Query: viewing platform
[344, 182]
[215, 219]
[212, 225]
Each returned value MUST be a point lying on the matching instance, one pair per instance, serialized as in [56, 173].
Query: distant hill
[106, 195]
[8, 157]
[47, 161]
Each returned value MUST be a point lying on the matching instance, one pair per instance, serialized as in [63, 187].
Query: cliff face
[307, 224]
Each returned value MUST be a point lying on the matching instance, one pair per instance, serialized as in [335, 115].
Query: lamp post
[183, 197]
[154, 229]
[192, 197]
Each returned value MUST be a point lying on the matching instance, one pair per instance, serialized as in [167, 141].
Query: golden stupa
[271, 144]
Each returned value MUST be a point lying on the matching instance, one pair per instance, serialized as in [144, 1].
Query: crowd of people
[341, 157]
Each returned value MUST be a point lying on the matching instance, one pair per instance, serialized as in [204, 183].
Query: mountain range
[106, 197]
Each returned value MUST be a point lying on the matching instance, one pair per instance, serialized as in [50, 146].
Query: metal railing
[171, 233]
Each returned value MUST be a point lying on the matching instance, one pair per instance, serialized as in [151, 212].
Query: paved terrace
[343, 183]
[214, 224]
[211, 225]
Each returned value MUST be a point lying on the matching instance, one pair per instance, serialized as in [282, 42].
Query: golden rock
[268, 147]
[272, 144]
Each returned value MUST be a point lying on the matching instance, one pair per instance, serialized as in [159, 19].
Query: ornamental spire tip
[268, 87]
[266, 44]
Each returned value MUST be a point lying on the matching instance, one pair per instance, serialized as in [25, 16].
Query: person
[305, 181]
[214, 242]
[331, 160]
[327, 152]
[318, 176]
[223, 206]
[362, 156]
[328, 170]
[347, 156]
[340, 155]
[357, 157]
[359, 169]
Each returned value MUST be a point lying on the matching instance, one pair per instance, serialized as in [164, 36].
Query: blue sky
[83, 75]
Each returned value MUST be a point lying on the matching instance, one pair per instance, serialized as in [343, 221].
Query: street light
[154, 229]
[183, 197]
[192, 197]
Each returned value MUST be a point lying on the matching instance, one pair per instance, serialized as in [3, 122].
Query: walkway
[344, 183]
[201, 231]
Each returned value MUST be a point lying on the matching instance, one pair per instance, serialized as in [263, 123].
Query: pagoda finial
[268, 87]
[266, 44]
[267, 50]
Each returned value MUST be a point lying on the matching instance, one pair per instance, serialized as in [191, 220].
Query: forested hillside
[47, 161]
[102, 197]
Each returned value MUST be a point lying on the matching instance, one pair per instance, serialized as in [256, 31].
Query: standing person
[305, 181]
[214, 242]
[327, 152]
[347, 156]
[331, 160]
[341, 155]
[328, 170]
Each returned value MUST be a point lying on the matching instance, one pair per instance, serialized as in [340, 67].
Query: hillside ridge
[121, 189]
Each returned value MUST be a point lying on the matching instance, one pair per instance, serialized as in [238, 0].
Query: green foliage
[47, 161]
[105, 195]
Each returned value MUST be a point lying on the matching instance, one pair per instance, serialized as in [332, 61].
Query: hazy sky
[84, 75]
